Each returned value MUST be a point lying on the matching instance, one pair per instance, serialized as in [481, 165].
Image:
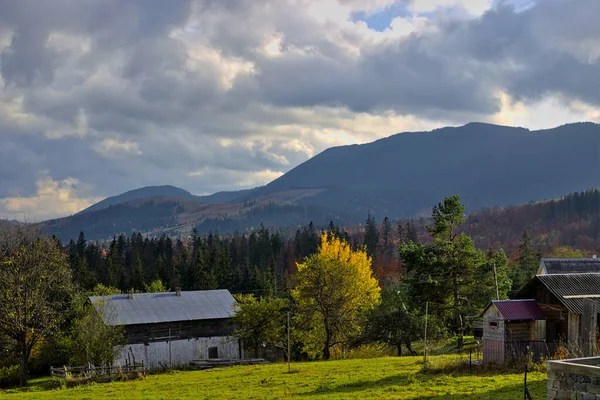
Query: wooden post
[289, 346]
[587, 330]
[496, 281]
[425, 336]
[170, 361]
[526, 394]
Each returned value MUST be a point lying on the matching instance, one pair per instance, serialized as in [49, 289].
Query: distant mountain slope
[488, 165]
[225, 197]
[178, 216]
[141, 193]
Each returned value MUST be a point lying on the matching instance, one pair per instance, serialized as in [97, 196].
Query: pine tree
[371, 236]
[527, 260]
[387, 241]
[137, 278]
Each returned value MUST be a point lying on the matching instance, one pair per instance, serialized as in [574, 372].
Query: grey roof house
[172, 328]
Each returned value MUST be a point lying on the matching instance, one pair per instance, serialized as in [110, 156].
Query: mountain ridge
[404, 175]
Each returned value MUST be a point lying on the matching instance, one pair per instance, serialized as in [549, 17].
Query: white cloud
[474, 7]
[116, 148]
[239, 92]
[52, 199]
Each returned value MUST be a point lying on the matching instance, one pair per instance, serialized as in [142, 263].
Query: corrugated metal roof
[570, 265]
[152, 308]
[514, 310]
[564, 286]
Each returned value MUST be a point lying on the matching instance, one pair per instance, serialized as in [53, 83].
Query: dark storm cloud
[121, 94]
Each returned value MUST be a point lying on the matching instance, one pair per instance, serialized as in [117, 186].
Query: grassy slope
[384, 378]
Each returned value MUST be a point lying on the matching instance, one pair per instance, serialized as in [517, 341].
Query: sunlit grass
[384, 378]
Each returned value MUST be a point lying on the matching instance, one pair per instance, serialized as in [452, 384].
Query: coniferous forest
[260, 261]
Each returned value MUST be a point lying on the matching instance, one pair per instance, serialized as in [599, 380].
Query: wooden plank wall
[148, 333]
[519, 331]
[493, 351]
[177, 353]
[587, 329]
[573, 331]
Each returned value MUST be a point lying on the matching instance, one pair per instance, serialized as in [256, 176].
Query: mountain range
[400, 176]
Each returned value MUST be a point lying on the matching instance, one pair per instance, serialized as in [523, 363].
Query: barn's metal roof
[518, 310]
[569, 266]
[152, 308]
[569, 289]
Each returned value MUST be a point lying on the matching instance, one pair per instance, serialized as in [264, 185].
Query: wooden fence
[90, 372]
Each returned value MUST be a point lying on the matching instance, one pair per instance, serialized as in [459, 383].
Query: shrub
[9, 376]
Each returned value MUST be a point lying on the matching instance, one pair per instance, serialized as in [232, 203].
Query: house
[172, 329]
[549, 266]
[561, 298]
[509, 326]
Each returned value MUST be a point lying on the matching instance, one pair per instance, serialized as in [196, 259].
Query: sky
[100, 97]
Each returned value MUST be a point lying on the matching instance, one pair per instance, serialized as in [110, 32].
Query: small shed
[509, 326]
[172, 329]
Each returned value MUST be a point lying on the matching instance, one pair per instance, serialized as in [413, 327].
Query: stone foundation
[574, 379]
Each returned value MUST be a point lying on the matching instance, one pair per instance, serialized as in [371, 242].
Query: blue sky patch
[381, 20]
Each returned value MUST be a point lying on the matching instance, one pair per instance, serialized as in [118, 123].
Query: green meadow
[381, 378]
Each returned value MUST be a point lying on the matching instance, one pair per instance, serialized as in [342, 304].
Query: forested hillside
[261, 259]
[487, 165]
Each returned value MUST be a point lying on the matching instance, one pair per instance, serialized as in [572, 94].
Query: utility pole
[496, 281]
[425, 336]
[289, 347]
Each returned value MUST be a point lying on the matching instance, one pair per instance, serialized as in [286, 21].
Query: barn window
[493, 325]
[213, 352]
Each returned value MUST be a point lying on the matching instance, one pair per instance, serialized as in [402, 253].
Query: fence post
[526, 394]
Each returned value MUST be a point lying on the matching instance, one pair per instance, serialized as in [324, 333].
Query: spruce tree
[371, 236]
[387, 241]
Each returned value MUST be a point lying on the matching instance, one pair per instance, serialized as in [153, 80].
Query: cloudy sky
[99, 97]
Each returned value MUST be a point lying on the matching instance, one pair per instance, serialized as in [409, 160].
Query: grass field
[382, 378]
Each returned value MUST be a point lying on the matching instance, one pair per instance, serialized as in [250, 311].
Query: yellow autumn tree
[333, 290]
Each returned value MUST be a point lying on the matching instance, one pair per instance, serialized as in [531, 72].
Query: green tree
[484, 288]
[371, 236]
[202, 277]
[260, 320]
[334, 289]
[137, 276]
[156, 286]
[387, 240]
[35, 288]
[527, 260]
[394, 321]
[567, 252]
[443, 271]
[97, 338]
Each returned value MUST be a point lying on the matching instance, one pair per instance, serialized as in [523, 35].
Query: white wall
[156, 355]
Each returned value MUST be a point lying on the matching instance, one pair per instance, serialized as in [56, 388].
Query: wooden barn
[509, 326]
[172, 329]
[561, 297]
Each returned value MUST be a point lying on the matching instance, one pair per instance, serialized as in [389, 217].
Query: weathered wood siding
[539, 330]
[493, 351]
[573, 332]
[519, 331]
[148, 333]
[177, 353]
[494, 335]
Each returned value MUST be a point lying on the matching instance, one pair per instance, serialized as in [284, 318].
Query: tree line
[344, 287]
